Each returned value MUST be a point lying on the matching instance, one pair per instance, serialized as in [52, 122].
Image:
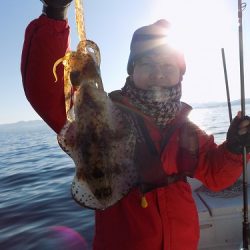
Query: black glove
[238, 135]
[56, 9]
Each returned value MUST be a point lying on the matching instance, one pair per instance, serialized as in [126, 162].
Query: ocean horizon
[196, 105]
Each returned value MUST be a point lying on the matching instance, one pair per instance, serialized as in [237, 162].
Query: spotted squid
[97, 134]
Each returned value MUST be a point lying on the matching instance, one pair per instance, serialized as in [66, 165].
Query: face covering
[161, 104]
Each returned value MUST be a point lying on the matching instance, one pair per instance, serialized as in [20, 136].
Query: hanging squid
[96, 135]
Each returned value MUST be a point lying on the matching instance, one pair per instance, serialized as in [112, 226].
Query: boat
[220, 215]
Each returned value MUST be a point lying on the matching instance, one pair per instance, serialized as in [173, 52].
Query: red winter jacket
[170, 222]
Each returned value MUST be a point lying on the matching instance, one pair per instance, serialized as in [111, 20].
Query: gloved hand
[56, 9]
[238, 134]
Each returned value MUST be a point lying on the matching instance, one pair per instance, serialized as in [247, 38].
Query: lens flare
[63, 238]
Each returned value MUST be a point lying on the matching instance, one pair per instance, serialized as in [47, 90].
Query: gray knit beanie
[151, 38]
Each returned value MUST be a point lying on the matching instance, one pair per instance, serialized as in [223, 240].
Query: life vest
[148, 158]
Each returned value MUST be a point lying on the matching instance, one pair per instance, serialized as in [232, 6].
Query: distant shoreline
[194, 105]
[218, 104]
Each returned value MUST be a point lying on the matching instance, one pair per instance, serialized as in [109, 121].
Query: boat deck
[220, 215]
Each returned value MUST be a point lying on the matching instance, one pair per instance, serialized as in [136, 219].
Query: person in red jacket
[171, 147]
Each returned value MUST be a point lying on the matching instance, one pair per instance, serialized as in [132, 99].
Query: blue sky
[202, 28]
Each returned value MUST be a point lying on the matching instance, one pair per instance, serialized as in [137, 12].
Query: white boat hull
[220, 218]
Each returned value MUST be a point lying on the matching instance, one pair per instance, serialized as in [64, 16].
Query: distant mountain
[236, 102]
[218, 104]
[24, 125]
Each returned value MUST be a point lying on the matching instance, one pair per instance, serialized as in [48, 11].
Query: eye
[75, 78]
[169, 67]
[145, 64]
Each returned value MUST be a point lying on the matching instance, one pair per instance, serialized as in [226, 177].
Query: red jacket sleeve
[218, 168]
[46, 40]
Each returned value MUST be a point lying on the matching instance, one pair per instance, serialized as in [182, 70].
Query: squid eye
[75, 78]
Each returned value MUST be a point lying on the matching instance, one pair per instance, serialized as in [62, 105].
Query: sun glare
[200, 28]
[197, 23]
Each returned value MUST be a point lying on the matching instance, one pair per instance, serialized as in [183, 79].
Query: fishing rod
[227, 87]
[245, 222]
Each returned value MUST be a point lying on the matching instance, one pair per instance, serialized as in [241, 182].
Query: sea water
[36, 208]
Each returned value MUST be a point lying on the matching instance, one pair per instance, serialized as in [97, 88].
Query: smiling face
[156, 70]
